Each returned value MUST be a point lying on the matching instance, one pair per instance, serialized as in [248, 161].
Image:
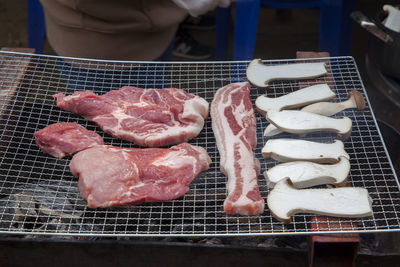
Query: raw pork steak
[110, 176]
[62, 139]
[147, 117]
[234, 126]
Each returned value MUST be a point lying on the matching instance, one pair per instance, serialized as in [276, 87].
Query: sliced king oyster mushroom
[298, 98]
[300, 122]
[284, 150]
[356, 100]
[350, 202]
[306, 174]
[260, 74]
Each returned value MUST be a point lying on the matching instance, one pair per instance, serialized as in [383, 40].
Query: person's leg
[187, 47]
[166, 56]
[201, 23]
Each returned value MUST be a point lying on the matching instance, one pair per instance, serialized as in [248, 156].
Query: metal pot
[383, 45]
[392, 141]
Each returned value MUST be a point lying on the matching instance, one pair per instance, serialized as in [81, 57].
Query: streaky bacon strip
[234, 127]
[147, 117]
[111, 176]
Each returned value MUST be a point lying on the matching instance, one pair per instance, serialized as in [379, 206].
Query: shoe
[187, 47]
[202, 23]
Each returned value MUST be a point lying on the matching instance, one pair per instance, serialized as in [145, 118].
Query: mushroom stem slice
[350, 202]
[272, 130]
[260, 74]
[306, 174]
[300, 122]
[356, 100]
[284, 150]
[301, 97]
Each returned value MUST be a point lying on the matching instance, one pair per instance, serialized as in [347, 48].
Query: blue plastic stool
[335, 26]
[334, 33]
[245, 30]
[36, 26]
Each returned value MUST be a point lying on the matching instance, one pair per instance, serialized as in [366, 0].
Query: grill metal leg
[332, 249]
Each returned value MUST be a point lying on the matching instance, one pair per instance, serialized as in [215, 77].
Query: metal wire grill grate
[39, 195]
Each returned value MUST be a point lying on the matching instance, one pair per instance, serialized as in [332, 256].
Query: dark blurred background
[280, 33]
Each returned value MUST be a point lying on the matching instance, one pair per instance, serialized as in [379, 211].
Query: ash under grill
[38, 194]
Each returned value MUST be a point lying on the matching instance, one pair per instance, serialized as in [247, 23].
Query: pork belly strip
[147, 117]
[111, 176]
[234, 127]
[66, 138]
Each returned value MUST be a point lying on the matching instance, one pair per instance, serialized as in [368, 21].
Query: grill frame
[27, 171]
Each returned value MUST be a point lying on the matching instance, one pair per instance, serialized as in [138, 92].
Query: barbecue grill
[39, 195]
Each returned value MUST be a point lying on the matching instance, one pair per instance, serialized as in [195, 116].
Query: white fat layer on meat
[139, 104]
[247, 172]
[194, 109]
[226, 141]
[68, 98]
[176, 159]
[203, 156]
[131, 191]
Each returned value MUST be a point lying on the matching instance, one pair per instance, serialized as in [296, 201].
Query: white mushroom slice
[300, 122]
[356, 100]
[350, 202]
[392, 21]
[260, 74]
[272, 130]
[301, 97]
[285, 150]
[306, 174]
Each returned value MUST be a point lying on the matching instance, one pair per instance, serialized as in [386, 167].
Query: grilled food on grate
[147, 117]
[111, 176]
[62, 139]
[350, 202]
[234, 127]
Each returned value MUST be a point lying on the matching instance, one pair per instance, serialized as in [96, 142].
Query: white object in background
[200, 7]
[393, 19]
